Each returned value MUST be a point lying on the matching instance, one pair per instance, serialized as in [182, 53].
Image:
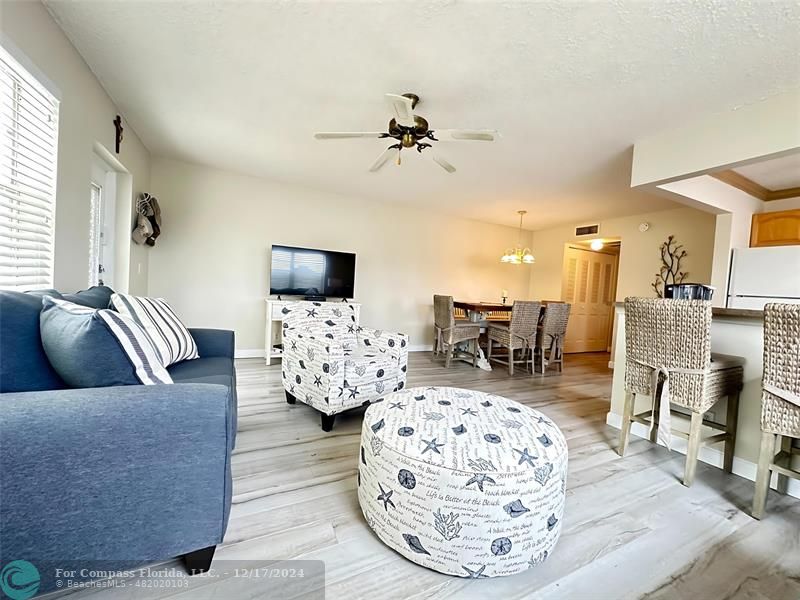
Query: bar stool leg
[655, 417]
[448, 354]
[765, 456]
[475, 352]
[695, 431]
[731, 422]
[510, 360]
[783, 480]
[625, 429]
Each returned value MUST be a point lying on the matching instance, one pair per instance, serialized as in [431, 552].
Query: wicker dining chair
[780, 400]
[519, 334]
[550, 337]
[668, 357]
[448, 332]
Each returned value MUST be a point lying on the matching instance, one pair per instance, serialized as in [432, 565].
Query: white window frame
[28, 173]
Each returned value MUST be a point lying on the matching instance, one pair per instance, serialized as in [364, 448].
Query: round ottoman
[462, 482]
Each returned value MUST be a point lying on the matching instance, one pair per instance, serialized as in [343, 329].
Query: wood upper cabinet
[775, 229]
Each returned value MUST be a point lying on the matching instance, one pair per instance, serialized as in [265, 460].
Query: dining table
[478, 311]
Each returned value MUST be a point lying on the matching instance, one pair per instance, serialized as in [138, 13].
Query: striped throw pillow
[91, 347]
[172, 341]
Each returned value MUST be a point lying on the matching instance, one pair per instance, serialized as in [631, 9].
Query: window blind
[28, 150]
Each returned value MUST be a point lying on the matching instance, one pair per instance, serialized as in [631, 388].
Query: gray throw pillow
[97, 348]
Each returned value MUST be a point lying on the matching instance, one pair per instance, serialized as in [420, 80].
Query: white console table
[273, 340]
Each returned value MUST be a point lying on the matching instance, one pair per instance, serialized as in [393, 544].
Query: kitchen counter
[745, 313]
[719, 311]
[737, 332]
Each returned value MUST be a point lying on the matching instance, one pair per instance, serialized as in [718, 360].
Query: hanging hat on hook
[143, 229]
[155, 221]
[148, 220]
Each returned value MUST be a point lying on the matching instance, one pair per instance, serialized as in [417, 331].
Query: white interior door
[589, 282]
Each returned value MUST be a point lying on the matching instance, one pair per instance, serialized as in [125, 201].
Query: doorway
[589, 284]
[102, 222]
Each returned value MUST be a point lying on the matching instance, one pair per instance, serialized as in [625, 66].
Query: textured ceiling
[569, 85]
[775, 174]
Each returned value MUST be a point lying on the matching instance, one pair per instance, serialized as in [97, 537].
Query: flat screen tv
[312, 273]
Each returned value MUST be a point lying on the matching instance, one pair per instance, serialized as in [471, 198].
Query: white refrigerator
[763, 275]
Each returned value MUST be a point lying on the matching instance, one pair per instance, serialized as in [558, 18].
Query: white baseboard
[712, 456]
[252, 353]
[259, 352]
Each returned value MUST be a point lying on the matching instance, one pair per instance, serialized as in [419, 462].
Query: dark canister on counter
[688, 291]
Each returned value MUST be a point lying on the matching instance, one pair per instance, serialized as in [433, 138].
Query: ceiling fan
[411, 131]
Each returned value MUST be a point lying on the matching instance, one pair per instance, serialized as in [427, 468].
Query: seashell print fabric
[332, 363]
[463, 482]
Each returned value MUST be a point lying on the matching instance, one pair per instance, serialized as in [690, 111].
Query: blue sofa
[115, 477]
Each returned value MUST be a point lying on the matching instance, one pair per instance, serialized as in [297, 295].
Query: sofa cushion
[23, 364]
[96, 348]
[172, 340]
[201, 367]
[98, 296]
[46, 292]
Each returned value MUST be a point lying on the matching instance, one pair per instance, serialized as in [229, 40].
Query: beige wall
[85, 118]
[212, 259]
[639, 254]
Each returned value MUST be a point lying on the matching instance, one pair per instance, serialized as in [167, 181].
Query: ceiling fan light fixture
[596, 245]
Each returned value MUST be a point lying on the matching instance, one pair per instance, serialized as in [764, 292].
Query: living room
[155, 155]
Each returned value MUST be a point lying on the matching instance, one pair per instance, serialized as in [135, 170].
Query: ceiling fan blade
[443, 163]
[347, 134]
[481, 135]
[402, 108]
[382, 159]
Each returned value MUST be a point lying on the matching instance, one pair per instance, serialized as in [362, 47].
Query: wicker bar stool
[550, 338]
[448, 332]
[519, 334]
[780, 400]
[668, 346]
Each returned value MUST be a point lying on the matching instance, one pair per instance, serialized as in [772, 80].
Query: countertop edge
[719, 311]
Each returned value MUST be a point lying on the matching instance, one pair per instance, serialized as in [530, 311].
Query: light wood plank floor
[631, 530]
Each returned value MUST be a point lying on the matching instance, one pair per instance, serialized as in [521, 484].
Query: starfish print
[524, 456]
[351, 329]
[543, 420]
[480, 479]
[476, 574]
[468, 411]
[354, 391]
[431, 445]
[312, 312]
[318, 380]
[399, 405]
[385, 497]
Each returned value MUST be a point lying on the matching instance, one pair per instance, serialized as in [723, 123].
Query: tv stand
[276, 312]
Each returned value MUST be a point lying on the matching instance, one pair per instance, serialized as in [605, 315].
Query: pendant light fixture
[518, 255]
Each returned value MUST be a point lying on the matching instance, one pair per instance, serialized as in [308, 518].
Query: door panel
[589, 284]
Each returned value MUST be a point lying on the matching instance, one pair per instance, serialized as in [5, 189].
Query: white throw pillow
[172, 341]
